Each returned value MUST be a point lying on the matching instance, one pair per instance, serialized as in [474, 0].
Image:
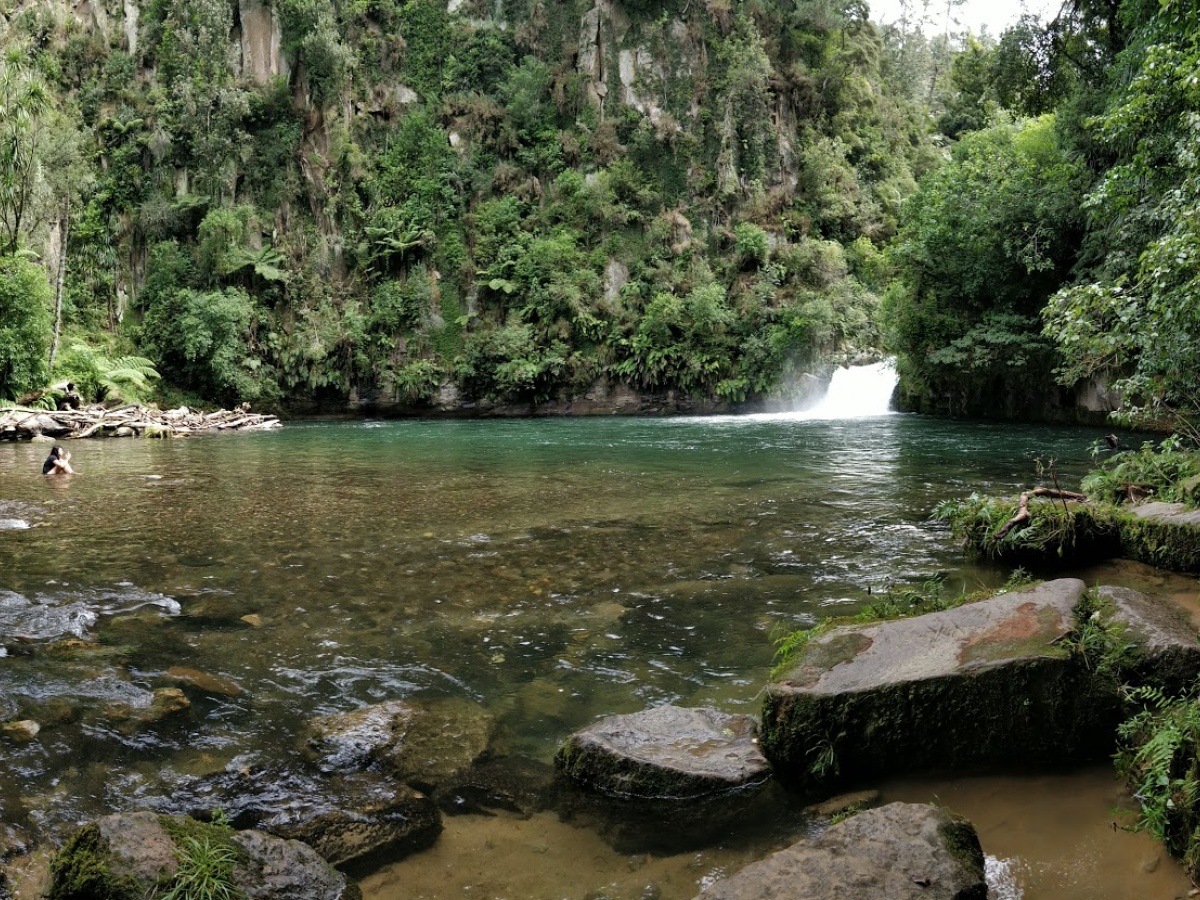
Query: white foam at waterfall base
[857, 392]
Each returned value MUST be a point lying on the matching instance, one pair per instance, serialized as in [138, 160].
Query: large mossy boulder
[421, 743]
[899, 851]
[666, 753]
[1166, 535]
[988, 682]
[130, 855]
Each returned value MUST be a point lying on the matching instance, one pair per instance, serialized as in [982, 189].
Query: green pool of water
[551, 570]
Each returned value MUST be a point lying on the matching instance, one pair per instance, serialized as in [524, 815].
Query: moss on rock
[82, 870]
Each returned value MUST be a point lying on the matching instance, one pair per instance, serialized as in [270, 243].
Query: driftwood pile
[132, 420]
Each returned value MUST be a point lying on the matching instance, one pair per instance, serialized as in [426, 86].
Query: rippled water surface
[551, 570]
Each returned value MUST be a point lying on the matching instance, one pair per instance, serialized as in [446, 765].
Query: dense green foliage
[984, 242]
[1136, 315]
[680, 197]
[405, 201]
[1065, 248]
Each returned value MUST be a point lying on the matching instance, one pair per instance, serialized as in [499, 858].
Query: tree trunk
[64, 228]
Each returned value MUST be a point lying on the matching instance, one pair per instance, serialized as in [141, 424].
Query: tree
[1136, 316]
[984, 241]
[25, 297]
[38, 153]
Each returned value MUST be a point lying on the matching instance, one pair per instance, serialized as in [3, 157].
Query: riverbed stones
[666, 753]
[204, 682]
[899, 851]
[120, 857]
[423, 743]
[987, 682]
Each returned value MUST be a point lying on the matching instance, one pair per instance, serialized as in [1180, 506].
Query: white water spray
[857, 392]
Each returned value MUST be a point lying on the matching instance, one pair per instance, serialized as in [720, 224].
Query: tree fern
[126, 378]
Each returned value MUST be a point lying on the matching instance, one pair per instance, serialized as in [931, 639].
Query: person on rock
[70, 398]
[58, 462]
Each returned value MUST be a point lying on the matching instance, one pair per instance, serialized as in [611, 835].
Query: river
[553, 570]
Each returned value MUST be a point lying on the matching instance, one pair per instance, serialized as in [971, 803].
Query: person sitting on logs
[70, 398]
[58, 462]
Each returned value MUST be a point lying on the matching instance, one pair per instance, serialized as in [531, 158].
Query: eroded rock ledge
[1001, 682]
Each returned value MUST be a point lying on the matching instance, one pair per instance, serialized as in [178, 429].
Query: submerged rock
[899, 851]
[985, 682]
[424, 743]
[666, 753]
[121, 857]
[204, 682]
[510, 783]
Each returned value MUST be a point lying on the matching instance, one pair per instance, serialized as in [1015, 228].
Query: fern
[1159, 755]
[126, 378]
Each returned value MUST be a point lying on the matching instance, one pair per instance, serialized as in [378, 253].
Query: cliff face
[510, 201]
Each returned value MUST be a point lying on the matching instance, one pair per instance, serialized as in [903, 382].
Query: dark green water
[552, 570]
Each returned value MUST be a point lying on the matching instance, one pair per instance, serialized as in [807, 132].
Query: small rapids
[50, 617]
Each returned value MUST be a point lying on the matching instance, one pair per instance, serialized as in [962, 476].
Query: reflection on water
[553, 571]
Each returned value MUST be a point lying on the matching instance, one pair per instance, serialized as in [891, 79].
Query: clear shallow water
[552, 570]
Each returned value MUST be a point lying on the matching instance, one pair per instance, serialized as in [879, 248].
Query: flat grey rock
[666, 753]
[1164, 637]
[1170, 513]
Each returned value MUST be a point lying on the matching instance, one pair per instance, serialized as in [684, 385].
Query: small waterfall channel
[857, 392]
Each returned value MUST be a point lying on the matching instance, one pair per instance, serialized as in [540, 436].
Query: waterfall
[856, 392]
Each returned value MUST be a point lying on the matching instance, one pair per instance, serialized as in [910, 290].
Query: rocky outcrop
[666, 753]
[1163, 637]
[664, 780]
[1161, 534]
[899, 851]
[985, 682]
[261, 42]
[416, 742]
[121, 857]
[989, 682]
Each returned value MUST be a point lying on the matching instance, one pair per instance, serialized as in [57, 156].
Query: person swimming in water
[58, 462]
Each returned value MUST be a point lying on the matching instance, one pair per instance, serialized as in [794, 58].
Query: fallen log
[1023, 514]
[23, 423]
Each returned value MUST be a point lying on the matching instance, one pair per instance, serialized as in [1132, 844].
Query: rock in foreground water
[424, 743]
[986, 682]
[666, 753]
[121, 857]
[348, 819]
[899, 851]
